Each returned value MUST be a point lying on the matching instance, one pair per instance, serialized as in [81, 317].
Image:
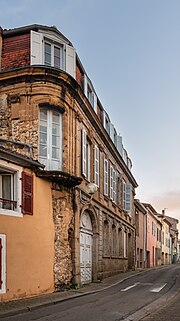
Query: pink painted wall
[151, 240]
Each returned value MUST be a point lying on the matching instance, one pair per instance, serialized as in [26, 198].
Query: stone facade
[23, 93]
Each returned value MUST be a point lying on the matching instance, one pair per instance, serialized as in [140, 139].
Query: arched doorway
[86, 244]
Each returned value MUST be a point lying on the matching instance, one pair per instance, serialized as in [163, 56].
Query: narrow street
[136, 298]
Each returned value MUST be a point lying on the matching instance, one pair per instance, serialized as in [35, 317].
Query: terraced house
[66, 186]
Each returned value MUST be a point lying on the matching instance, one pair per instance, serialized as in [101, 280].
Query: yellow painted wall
[30, 247]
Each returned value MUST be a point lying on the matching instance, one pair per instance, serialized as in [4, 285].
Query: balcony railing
[8, 204]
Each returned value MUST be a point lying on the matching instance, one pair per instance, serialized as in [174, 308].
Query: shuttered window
[106, 177]
[27, 193]
[111, 182]
[96, 165]
[45, 51]
[127, 197]
[85, 155]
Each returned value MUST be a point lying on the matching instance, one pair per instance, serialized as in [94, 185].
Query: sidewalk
[22, 305]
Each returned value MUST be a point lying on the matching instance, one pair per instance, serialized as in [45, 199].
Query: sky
[130, 50]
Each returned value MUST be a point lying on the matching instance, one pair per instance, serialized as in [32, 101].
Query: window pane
[47, 54]
[55, 130]
[43, 128]
[55, 153]
[56, 57]
[55, 141]
[55, 118]
[43, 114]
[43, 138]
[6, 191]
[43, 150]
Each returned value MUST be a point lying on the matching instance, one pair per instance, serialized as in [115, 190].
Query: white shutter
[104, 118]
[112, 132]
[114, 185]
[105, 177]
[111, 182]
[85, 84]
[95, 102]
[119, 145]
[36, 48]
[96, 165]
[71, 61]
[124, 196]
[83, 152]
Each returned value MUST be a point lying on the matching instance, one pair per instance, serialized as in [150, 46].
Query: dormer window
[52, 51]
[89, 92]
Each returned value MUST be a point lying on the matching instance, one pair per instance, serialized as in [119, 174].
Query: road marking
[130, 287]
[158, 289]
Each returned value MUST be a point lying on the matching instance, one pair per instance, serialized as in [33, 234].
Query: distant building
[141, 234]
[173, 237]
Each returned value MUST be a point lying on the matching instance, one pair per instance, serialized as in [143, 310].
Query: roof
[140, 206]
[19, 159]
[150, 207]
[34, 27]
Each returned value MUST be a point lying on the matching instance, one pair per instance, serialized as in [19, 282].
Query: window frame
[16, 172]
[86, 155]
[96, 164]
[49, 161]
[106, 177]
[53, 45]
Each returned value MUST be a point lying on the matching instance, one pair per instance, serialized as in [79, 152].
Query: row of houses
[156, 237]
[67, 210]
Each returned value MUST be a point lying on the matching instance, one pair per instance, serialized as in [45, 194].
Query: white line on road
[130, 287]
[158, 289]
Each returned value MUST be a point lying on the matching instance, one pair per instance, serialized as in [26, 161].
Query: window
[112, 184]
[106, 177]
[85, 155]
[96, 165]
[52, 51]
[89, 92]
[127, 197]
[2, 263]
[50, 139]
[10, 189]
[106, 122]
[53, 55]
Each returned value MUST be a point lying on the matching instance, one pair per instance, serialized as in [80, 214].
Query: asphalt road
[134, 299]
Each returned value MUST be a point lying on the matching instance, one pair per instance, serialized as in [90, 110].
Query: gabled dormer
[37, 45]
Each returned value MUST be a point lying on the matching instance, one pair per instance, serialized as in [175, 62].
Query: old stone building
[48, 102]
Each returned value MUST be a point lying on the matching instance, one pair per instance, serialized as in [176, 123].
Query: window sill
[10, 213]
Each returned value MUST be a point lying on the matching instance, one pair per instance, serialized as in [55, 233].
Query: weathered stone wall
[63, 227]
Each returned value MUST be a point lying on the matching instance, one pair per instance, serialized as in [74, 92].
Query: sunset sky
[131, 52]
